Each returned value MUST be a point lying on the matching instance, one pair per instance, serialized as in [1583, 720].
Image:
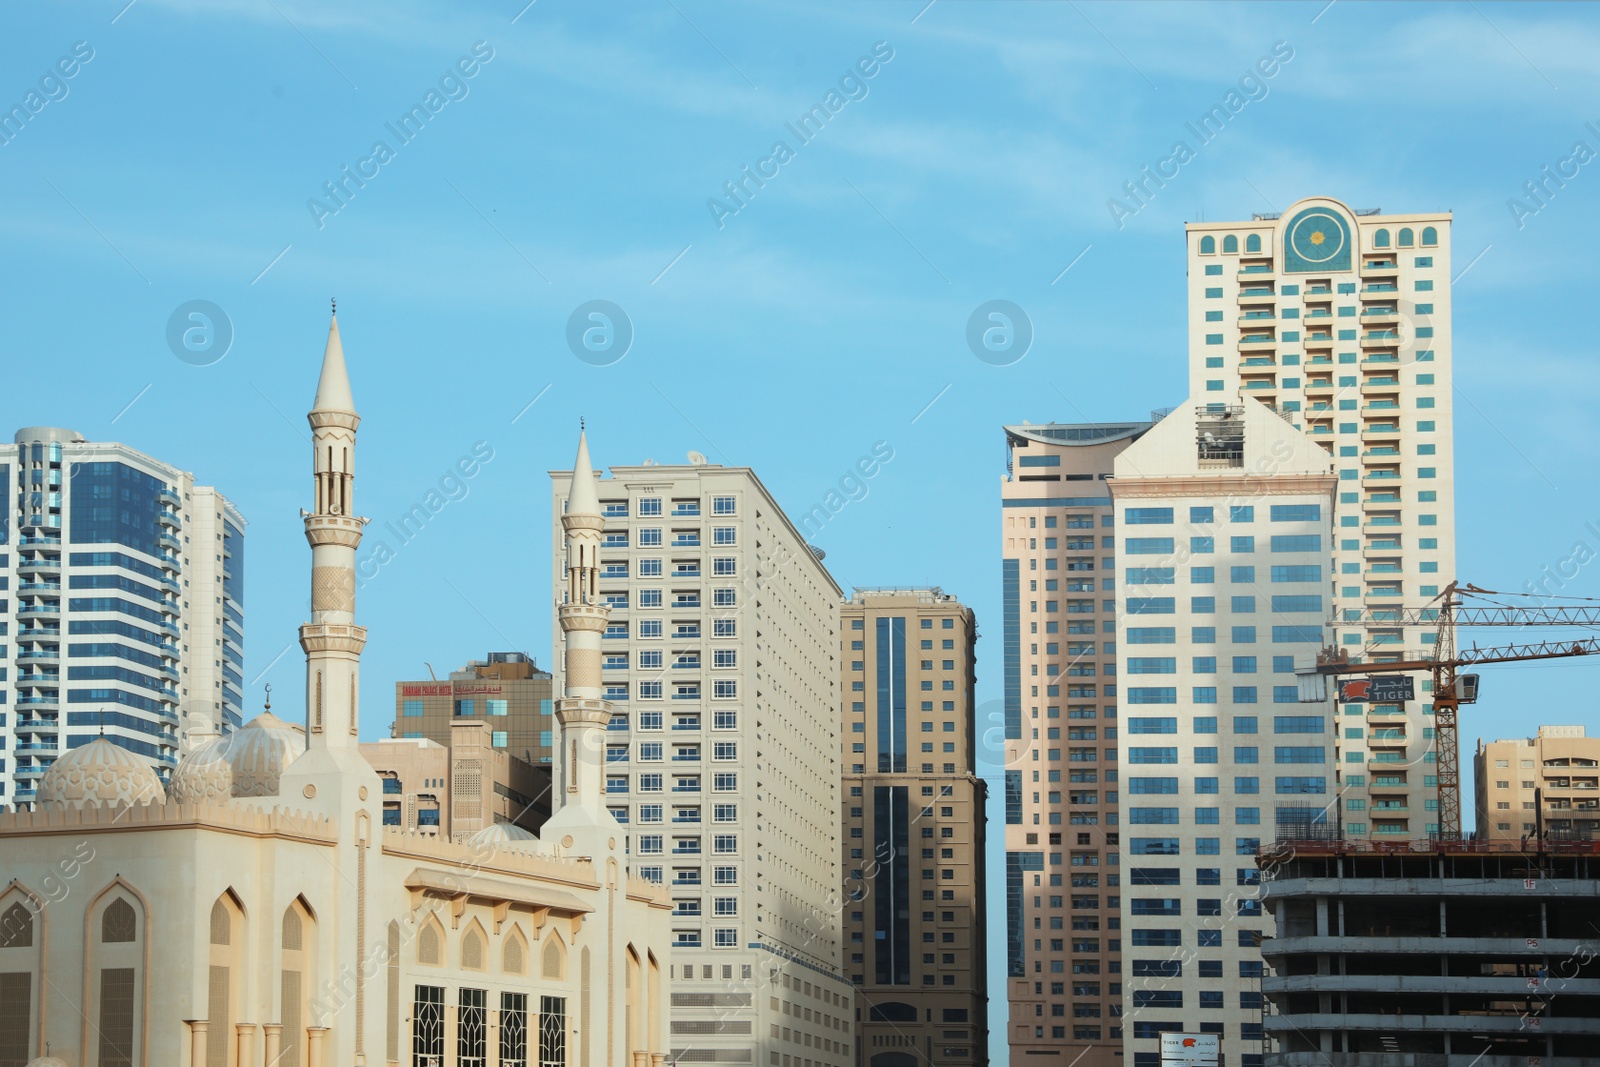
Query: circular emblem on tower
[1317, 239]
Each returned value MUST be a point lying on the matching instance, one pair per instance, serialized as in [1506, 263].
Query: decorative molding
[1223, 482]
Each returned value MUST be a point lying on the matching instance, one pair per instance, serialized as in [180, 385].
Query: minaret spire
[331, 640]
[582, 710]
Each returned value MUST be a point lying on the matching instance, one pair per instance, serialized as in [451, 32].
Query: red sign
[1355, 689]
[441, 689]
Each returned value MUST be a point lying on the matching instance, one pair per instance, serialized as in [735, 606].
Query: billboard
[1379, 689]
[1189, 1050]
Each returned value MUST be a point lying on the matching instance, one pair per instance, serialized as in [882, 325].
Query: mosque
[257, 911]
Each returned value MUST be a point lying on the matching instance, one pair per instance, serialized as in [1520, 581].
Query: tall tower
[582, 710]
[1340, 320]
[331, 640]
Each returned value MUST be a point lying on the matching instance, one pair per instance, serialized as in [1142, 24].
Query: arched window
[222, 1002]
[894, 1011]
[296, 980]
[1252, 243]
[16, 927]
[1380, 239]
[472, 951]
[515, 957]
[1208, 245]
[1230, 245]
[19, 966]
[1403, 238]
[430, 943]
[117, 978]
[555, 959]
[1430, 237]
[119, 924]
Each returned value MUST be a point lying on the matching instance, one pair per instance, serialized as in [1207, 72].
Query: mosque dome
[503, 835]
[203, 776]
[245, 763]
[47, 1061]
[99, 774]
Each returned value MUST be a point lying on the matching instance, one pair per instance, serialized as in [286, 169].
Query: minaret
[332, 641]
[582, 710]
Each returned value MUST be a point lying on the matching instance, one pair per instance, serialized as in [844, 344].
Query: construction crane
[1450, 688]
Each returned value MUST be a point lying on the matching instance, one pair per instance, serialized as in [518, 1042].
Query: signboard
[1380, 689]
[1189, 1050]
[445, 689]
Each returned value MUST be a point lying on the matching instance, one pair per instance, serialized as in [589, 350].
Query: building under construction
[1430, 954]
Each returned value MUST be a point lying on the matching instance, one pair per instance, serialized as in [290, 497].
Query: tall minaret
[332, 641]
[582, 710]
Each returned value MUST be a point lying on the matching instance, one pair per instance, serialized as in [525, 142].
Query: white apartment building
[126, 614]
[720, 660]
[1340, 320]
[1224, 520]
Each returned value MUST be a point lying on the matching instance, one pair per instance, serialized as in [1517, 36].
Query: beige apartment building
[505, 690]
[1560, 766]
[718, 662]
[1340, 320]
[913, 837]
[458, 788]
[1063, 882]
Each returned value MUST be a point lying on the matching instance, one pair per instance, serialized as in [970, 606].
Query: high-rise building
[913, 835]
[715, 645]
[1340, 320]
[133, 575]
[505, 690]
[1560, 767]
[1058, 539]
[1224, 517]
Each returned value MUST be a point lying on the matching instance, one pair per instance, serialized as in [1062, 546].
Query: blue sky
[823, 316]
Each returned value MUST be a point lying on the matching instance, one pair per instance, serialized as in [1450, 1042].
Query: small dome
[99, 774]
[245, 763]
[47, 1061]
[502, 835]
[259, 752]
[203, 776]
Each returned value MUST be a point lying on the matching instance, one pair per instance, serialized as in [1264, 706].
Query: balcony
[1381, 358]
[1384, 383]
[167, 562]
[1380, 548]
[168, 519]
[1258, 361]
[1380, 266]
[1383, 592]
[1318, 361]
[1381, 287]
[1380, 338]
[686, 510]
[39, 564]
[35, 680]
[1256, 291]
[39, 540]
[1380, 431]
[1382, 405]
[1319, 388]
[1257, 341]
[686, 540]
[1379, 314]
[48, 655]
[40, 609]
[1318, 313]
[169, 498]
[1380, 478]
[166, 540]
[1258, 316]
[39, 587]
[38, 725]
[1255, 270]
[39, 746]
